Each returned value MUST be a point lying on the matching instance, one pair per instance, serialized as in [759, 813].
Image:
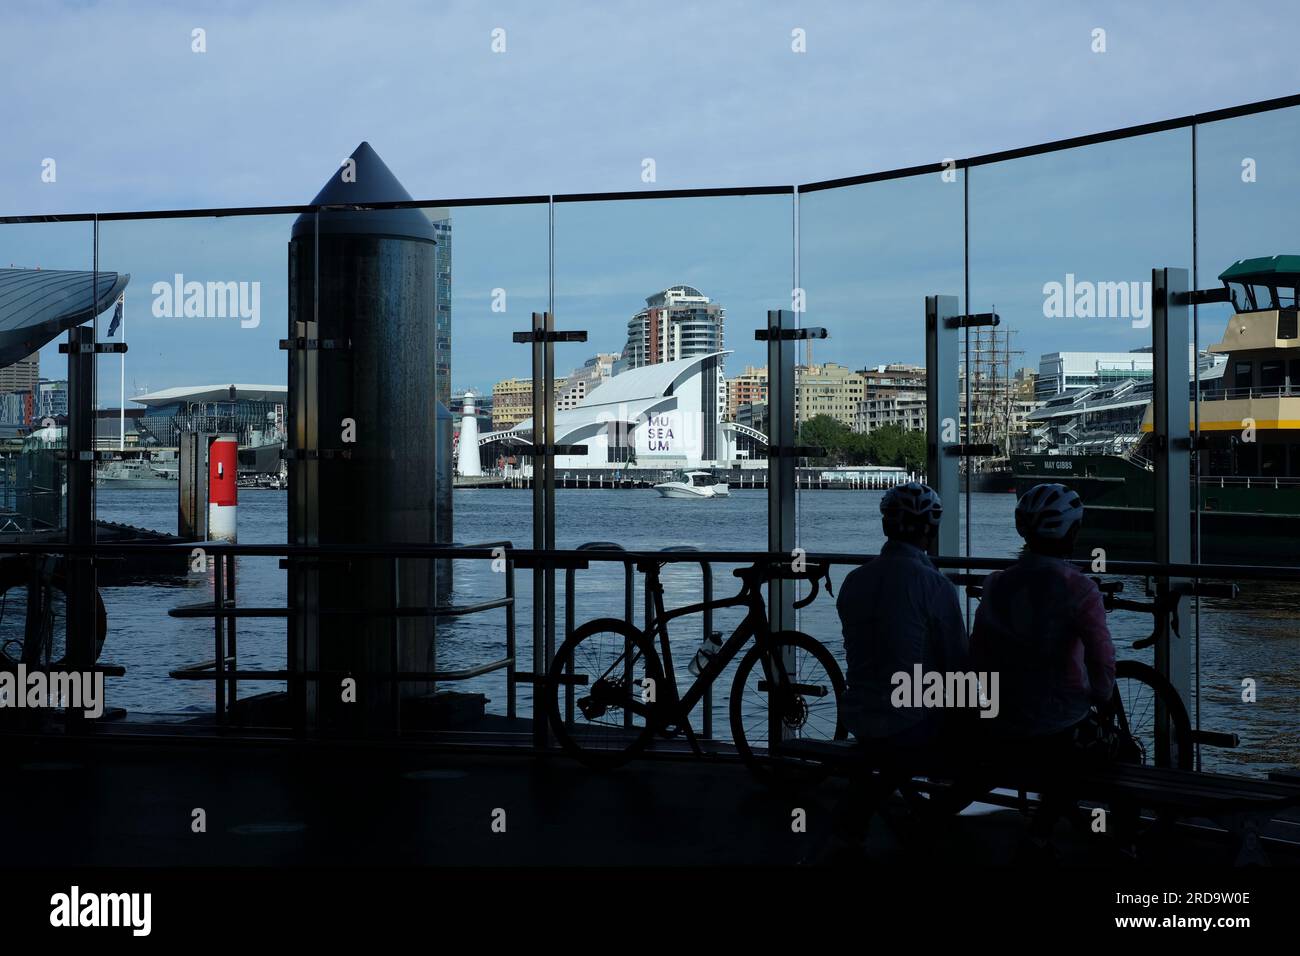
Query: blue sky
[585, 92]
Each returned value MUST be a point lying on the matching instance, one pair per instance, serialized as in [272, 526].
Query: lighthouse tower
[467, 461]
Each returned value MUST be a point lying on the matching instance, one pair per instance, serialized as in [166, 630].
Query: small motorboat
[693, 484]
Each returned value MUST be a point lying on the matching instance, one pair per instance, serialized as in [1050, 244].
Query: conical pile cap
[364, 181]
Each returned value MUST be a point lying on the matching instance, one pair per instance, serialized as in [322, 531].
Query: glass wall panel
[869, 255]
[1248, 197]
[669, 393]
[1062, 246]
[202, 316]
[47, 286]
[495, 262]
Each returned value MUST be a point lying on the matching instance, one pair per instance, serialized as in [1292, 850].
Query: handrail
[206, 610]
[224, 669]
[562, 558]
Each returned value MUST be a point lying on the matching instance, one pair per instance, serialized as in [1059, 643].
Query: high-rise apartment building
[747, 388]
[22, 375]
[680, 322]
[51, 398]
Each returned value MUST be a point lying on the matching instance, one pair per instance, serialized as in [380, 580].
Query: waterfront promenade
[132, 803]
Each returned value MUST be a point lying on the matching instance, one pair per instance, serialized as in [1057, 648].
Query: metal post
[707, 598]
[780, 485]
[548, 400]
[1172, 506]
[781, 464]
[539, 530]
[218, 623]
[81, 617]
[942, 416]
[629, 600]
[570, 598]
[192, 486]
[513, 666]
[232, 641]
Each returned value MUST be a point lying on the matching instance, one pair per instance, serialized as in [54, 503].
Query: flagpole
[121, 423]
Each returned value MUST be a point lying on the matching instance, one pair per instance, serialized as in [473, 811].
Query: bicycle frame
[674, 711]
[754, 624]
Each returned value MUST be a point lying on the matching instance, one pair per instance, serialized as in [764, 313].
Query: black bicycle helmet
[911, 507]
[1048, 512]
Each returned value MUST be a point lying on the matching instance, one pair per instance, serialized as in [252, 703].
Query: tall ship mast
[990, 409]
[1098, 441]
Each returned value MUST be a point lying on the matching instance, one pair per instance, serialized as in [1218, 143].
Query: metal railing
[224, 669]
[1254, 391]
[225, 673]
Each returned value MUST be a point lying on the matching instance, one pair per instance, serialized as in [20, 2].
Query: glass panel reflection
[1062, 246]
[202, 316]
[869, 256]
[669, 395]
[48, 289]
[493, 274]
[1248, 196]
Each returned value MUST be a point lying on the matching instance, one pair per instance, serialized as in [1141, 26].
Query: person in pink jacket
[1041, 626]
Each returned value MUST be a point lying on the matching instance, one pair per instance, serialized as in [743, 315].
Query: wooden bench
[1244, 806]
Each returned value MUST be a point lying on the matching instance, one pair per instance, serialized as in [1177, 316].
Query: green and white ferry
[1249, 398]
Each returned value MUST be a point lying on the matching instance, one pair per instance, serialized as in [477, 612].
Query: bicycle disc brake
[607, 692]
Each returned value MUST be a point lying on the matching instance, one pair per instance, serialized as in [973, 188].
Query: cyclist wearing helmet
[899, 611]
[1041, 626]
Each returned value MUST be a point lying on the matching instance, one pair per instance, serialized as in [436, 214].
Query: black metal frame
[1127, 132]
[224, 670]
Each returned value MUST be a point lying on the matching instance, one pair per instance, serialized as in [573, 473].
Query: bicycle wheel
[807, 696]
[606, 665]
[1138, 688]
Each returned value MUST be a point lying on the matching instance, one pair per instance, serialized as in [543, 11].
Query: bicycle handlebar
[812, 595]
[1165, 603]
[813, 572]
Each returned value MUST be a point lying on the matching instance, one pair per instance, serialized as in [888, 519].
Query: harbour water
[1254, 637]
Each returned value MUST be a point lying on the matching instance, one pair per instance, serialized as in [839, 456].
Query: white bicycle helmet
[911, 507]
[1048, 512]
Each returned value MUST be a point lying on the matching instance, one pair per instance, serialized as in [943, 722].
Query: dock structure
[370, 455]
[412, 806]
[358, 745]
[870, 478]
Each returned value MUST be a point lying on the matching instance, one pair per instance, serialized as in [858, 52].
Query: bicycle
[1141, 692]
[1144, 694]
[631, 695]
